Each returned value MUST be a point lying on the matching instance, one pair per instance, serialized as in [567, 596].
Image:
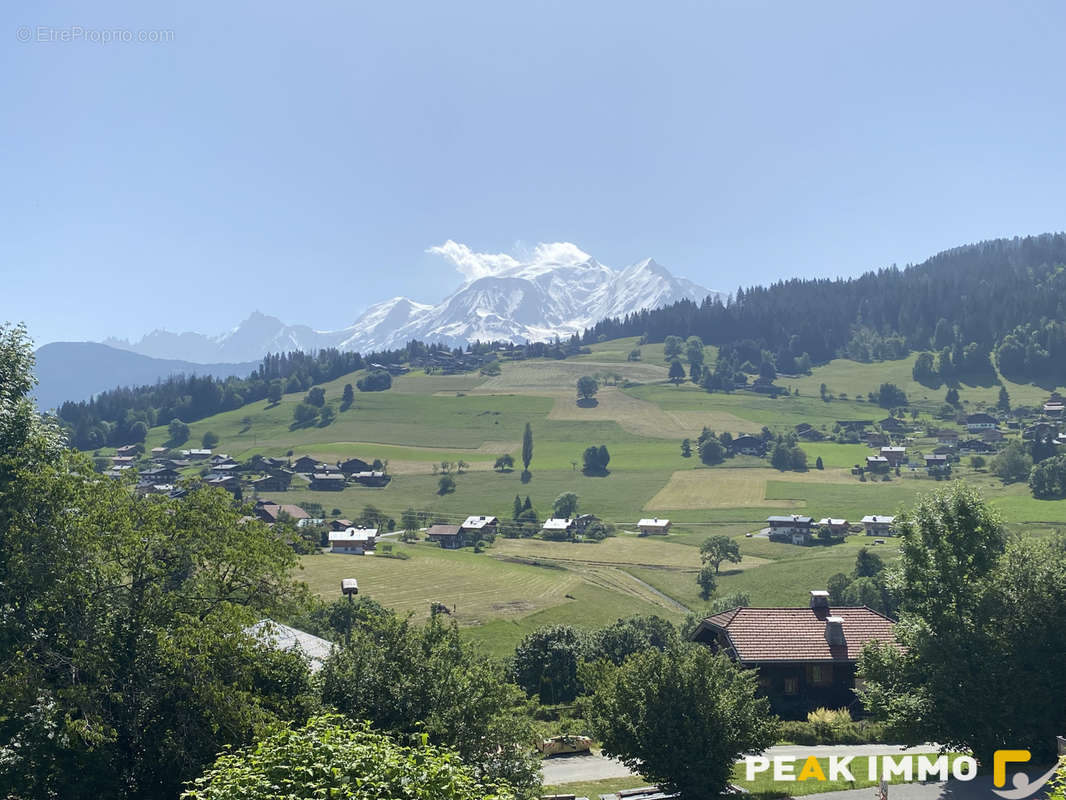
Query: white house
[478, 525]
[557, 525]
[653, 526]
[354, 541]
[877, 525]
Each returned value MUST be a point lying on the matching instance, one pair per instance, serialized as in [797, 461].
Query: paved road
[980, 788]
[573, 768]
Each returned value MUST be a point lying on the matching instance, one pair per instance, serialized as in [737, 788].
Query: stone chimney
[834, 630]
[819, 598]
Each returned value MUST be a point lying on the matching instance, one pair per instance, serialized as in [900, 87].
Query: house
[944, 450]
[372, 478]
[878, 525]
[794, 528]
[159, 475]
[935, 461]
[123, 460]
[877, 463]
[976, 446]
[854, 425]
[448, 536]
[837, 527]
[128, 450]
[277, 481]
[875, 439]
[653, 526]
[582, 522]
[1054, 409]
[282, 637]
[949, 438]
[308, 465]
[555, 527]
[352, 465]
[227, 482]
[222, 458]
[892, 425]
[269, 511]
[352, 541]
[198, 455]
[805, 657]
[895, 455]
[992, 436]
[219, 470]
[980, 422]
[326, 482]
[748, 445]
[479, 527]
[341, 524]
[154, 488]
[158, 452]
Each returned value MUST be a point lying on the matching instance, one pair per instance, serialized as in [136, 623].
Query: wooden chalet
[450, 537]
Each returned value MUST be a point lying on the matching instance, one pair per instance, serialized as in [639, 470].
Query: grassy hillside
[517, 585]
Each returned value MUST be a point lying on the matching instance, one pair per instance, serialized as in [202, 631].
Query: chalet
[878, 525]
[479, 527]
[175, 463]
[748, 445]
[227, 482]
[198, 454]
[877, 463]
[325, 482]
[159, 475]
[583, 521]
[875, 439]
[222, 458]
[895, 455]
[350, 466]
[129, 450]
[447, 536]
[1054, 408]
[127, 460]
[154, 488]
[270, 512]
[278, 480]
[992, 436]
[936, 461]
[893, 425]
[837, 527]
[220, 470]
[949, 438]
[805, 657]
[793, 528]
[855, 425]
[308, 465]
[557, 526]
[341, 524]
[352, 541]
[980, 422]
[648, 527]
[158, 452]
[944, 450]
[976, 446]
[371, 478]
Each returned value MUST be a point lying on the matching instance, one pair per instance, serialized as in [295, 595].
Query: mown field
[517, 585]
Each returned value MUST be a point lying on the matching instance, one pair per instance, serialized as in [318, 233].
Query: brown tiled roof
[798, 634]
[442, 530]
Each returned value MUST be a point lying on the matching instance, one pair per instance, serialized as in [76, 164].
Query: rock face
[559, 290]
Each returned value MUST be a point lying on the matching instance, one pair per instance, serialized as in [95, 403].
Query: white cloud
[479, 265]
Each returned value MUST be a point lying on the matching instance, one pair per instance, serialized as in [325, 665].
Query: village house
[270, 512]
[350, 466]
[934, 461]
[805, 657]
[326, 482]
[878, 525]
[129, 450]
[479, 527]
[372, 478]
[278, 480]
[793, 528]
[877, 463]
[555, 527]
[583, 521]
[875, 439]
[198, 454]
[992, 436]
[837, 527]
[650, 527]
[159, 475]
[748, 445]
[892, 425]
[447, 536]
[1054, 408]
[976, 446]
[895, 455]
[980, 422]
[123, 460]
[308, 465]
[854, 425]
[158, 452]
[341, 524]
[946, 437]
[227, 482]
[352, 541]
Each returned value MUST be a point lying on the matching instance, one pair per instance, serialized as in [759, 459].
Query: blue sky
[301, 159]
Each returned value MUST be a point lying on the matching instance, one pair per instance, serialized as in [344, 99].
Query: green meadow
[515, 586]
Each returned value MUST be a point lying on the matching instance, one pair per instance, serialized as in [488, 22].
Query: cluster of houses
[161, 474]
[800, 529]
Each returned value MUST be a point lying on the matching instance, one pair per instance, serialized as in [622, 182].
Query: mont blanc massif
[557, 291]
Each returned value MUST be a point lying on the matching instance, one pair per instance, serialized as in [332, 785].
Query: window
[820, 675]
[791, 686]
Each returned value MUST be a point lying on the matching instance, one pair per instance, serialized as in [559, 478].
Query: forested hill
[981, 293]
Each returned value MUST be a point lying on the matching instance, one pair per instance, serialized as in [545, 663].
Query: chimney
[819, 598]
[834, 630]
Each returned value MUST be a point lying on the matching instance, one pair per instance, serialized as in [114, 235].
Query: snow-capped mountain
[557, 290]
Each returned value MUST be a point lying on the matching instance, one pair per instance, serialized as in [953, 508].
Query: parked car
[566, 743]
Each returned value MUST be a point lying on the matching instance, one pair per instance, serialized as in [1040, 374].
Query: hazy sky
[300, 159]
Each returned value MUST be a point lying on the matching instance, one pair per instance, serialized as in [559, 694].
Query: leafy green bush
[826, 726]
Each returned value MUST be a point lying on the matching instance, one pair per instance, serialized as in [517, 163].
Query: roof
[875, 518]
[654, 522]
[282, 637]
[557, 524]
[936, 457]
[832, 521]
[442, 530]
[980, 417]
[353, 535]
[478, 522]
[877, 459]
[791, 518]
[893, 449]
[327, 476]
[798, 634]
